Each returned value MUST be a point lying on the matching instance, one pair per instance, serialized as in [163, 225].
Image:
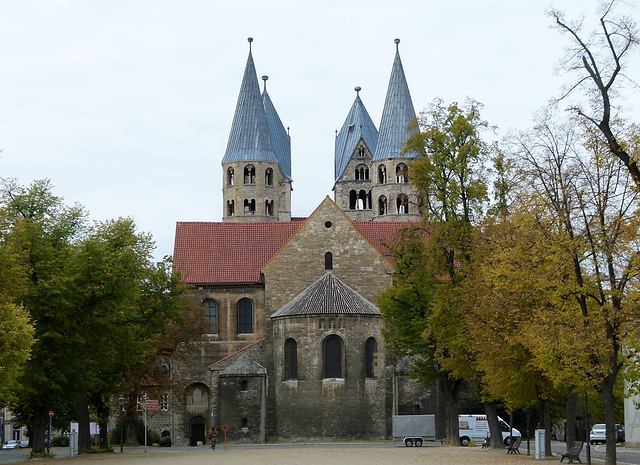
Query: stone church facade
[294, 346]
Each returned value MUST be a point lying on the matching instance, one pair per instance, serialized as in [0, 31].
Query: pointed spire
[280, 139]
[357, 126]
[249, 139]
[397, 114]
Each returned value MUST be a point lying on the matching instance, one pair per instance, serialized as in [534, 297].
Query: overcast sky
[127, 105]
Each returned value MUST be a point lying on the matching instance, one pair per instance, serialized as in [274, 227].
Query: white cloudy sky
[126, 105]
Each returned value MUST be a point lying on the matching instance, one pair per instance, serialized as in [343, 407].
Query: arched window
[249, 174]
[333, 357]
[268, 177]
[402, 173]
[328, 261]
[362, 173]
[245, 316]
[382, 174]
[249, 206]
[353, 199]
[230, 176]
[364, 200]
[370, 352]
[402, 204]
[268, 207]
[290, 359]
[230, 208]
[210, 324]
[382, 205]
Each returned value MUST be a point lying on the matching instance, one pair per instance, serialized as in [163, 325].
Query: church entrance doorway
[196, 431]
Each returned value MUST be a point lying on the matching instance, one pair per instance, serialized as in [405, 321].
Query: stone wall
[312, 406]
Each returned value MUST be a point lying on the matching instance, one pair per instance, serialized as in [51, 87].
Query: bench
[574, 452]
[513, 448]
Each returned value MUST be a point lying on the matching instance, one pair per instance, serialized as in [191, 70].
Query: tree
[421, 307]
[512, 274]
[37, 231]
[585, 201]
[90, 291]
[16, 339]
[16, 333]
[600, 62]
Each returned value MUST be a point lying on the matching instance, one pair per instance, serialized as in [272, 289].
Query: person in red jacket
[213, 437]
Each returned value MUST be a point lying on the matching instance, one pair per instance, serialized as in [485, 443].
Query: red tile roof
[225, 253]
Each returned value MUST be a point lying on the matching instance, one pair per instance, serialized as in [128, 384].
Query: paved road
[624, 456]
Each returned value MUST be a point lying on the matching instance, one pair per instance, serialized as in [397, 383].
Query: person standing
[213, 437]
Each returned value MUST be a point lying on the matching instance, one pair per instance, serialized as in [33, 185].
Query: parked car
[10, 444]
[24, 443]
[599, 433]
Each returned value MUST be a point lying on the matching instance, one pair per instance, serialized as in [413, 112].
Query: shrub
[165, 441]
[60, 441]
[152, 436]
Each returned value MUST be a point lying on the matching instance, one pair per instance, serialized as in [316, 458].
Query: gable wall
[302, 260]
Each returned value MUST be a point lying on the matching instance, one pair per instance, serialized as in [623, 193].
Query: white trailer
[413, 430]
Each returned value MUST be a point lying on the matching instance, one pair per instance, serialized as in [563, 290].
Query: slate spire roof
[358, 125]
[250, 138]
[280, 140]
[397, 113]
[328, 295]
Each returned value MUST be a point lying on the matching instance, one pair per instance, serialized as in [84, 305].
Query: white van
[476, 428]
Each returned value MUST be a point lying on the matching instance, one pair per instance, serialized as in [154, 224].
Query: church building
[293, 345]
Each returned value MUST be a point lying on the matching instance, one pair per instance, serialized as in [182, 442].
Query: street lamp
[121, 401]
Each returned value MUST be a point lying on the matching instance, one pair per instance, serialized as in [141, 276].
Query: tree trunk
[495, 431]
[449, 399]
[103, 416]
[570, 417]
[545, 416]
[130, 438]
[39, 427]
[84, 429]
[609, 419]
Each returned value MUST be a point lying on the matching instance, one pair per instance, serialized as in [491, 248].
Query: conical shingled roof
[280, 140]
[249, 139]
[328, 296]
[358, 125]
[397, 114]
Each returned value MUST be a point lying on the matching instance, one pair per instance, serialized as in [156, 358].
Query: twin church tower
[371, 181]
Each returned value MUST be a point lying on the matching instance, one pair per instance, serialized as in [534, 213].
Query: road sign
[50, 413]
[152, 405]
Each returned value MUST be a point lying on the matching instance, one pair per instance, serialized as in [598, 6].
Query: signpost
[49, 440]
[149, 405]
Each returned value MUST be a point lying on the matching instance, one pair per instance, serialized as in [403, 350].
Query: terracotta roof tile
[225, 253]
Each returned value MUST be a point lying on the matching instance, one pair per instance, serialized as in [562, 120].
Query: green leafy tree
[99, 307]
[16, 339]
[421, 308]
[37, 231]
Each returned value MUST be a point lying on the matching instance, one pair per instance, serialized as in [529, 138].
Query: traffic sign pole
[49, 440]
